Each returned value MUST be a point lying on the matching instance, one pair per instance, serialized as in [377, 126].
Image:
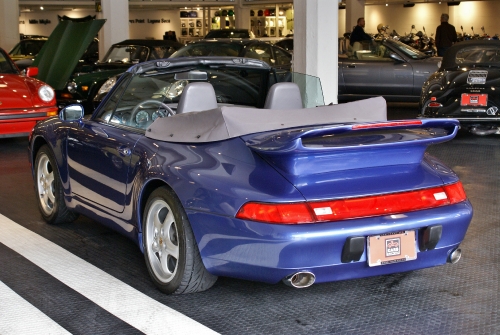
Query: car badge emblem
[492, 110]
[477, 77]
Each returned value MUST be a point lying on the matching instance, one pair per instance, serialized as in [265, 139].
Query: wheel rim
[162, 241]
[45, 184]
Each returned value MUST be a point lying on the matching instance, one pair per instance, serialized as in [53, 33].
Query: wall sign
[152, 21]
[41, 21]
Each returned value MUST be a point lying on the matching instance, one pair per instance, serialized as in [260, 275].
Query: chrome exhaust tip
[455, 256]
[300, 279]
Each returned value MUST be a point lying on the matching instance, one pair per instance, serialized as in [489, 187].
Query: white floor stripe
[17, 316]
[118, 298]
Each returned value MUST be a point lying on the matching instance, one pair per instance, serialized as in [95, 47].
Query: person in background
[446, 35]
[358, 33]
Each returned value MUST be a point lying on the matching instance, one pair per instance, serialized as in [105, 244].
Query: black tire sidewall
[51, 218]
[166, 195]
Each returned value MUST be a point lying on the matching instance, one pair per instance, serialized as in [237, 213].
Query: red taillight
[434, 104]
[387, 124]
[344, 209]
[455, 192]
[276, 213]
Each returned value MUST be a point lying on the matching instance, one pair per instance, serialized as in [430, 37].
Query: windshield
[6, 65]
[140, 98]
[126, 54]
[209, 49]
[408, 50]
[478, 54]
[27, 48]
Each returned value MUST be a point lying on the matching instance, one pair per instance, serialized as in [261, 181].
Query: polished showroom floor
[82, 278]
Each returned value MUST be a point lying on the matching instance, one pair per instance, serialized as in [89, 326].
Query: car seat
[283, 96]
[197, 96]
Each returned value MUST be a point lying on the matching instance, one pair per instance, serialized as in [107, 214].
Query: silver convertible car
[385, 68]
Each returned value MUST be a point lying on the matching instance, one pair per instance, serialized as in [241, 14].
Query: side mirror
[396, 57]
[71, 113]
[31, 72]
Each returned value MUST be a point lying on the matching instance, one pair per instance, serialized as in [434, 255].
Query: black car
[229, 33]
[286, 43]
[271, 54]
[27, 48]
[466, 87]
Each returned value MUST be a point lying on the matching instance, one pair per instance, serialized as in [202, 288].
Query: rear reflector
[434, 104]
[344, 209]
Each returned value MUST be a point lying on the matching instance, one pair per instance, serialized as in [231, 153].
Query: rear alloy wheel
[49, 191]
[172, 256]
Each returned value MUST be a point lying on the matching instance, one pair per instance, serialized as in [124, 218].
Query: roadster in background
[466, 87]
[216, 169]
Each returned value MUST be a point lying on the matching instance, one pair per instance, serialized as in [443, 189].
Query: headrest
[197, 96]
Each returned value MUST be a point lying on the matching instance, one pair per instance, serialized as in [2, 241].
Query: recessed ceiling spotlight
[41, 7]
[386, 4]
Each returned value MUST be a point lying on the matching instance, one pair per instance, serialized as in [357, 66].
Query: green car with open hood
[59, 62]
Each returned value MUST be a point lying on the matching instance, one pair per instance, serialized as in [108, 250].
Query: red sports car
[23, 100]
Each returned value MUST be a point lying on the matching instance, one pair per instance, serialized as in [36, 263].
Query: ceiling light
[41, 7]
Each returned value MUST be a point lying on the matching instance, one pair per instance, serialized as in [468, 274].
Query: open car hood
[60, 54]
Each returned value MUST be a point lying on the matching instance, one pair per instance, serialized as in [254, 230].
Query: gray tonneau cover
[228, 122]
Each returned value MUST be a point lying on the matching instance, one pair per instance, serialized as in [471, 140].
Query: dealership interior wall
[467, 14]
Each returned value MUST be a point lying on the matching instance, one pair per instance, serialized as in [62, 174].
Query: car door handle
[124, 151]
[351, 66]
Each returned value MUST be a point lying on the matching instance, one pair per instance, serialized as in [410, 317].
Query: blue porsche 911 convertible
[223, 167]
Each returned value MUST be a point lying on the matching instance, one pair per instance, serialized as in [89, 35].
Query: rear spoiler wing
[339, 147]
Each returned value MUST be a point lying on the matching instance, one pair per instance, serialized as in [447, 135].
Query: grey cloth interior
[284, 96]
[197, 97]
[226, 122]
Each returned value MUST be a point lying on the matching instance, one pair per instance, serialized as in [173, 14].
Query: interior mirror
[191, 75]
[71, 113]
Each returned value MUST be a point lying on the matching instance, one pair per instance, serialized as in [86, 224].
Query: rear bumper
[15, 123]
[268, 252]
[467, 115]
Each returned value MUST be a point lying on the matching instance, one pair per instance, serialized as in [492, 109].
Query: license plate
[391, 248]
[471, 99]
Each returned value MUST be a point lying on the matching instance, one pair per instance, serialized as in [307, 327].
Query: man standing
[358, 34]
[446, 35]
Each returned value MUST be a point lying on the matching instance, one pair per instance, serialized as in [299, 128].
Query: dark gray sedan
[385, 68]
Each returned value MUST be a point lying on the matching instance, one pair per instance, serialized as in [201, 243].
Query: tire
[170, 250]
[49, 191]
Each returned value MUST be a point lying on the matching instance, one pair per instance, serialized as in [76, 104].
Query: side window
[282, 58]
[261, 52]
[106, 113]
